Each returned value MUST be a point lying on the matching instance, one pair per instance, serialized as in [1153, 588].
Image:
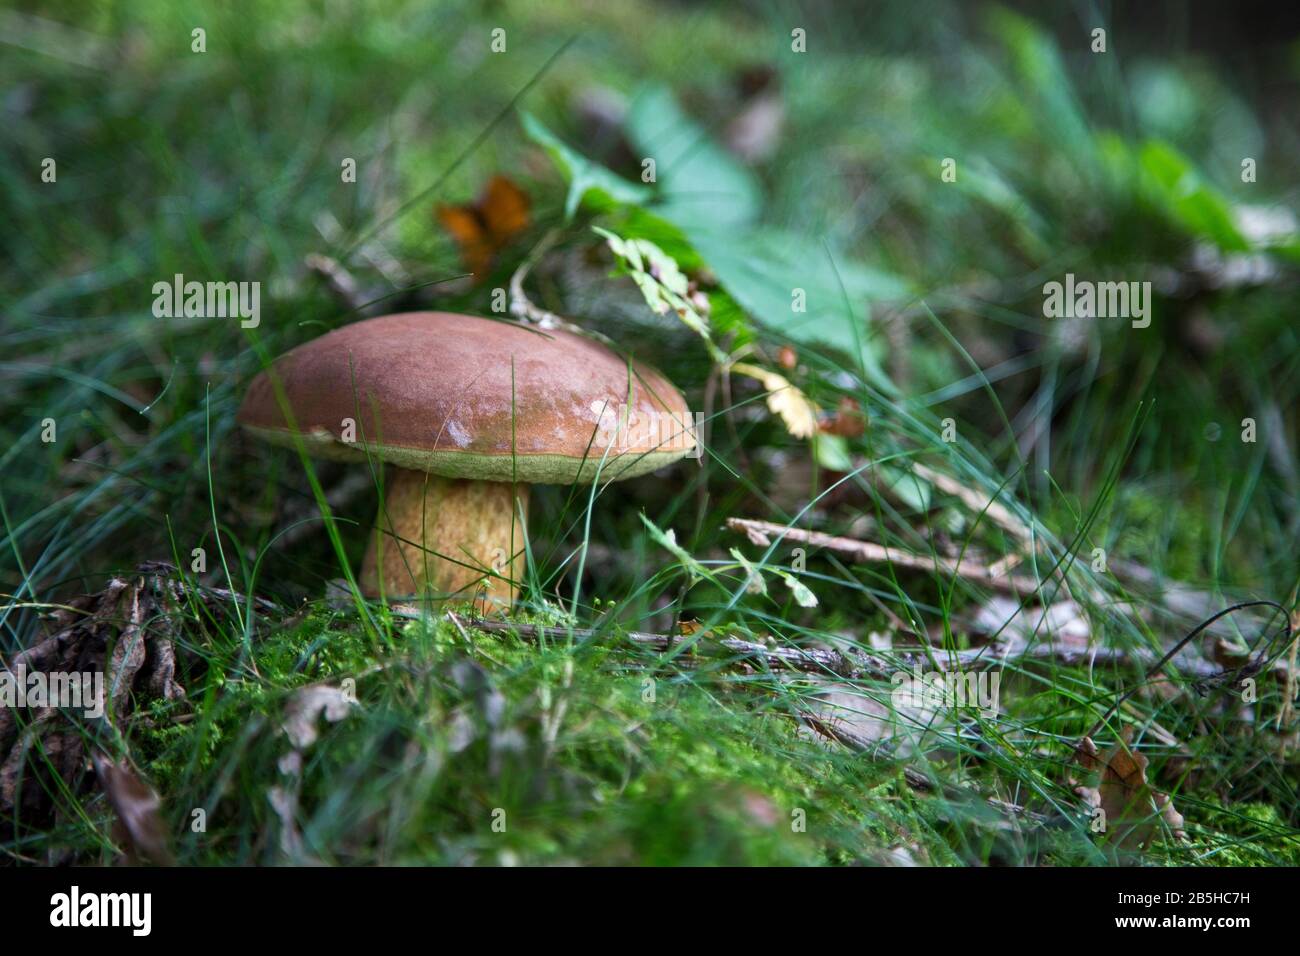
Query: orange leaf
[482, 228]
[848, 420]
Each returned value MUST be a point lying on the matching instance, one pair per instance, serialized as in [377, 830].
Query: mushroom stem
[446, 538]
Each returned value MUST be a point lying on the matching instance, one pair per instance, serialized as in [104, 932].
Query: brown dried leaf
[848, 421]
[128, 651]
[162, 679]
[1131, 807]
[688, 627]
[137, 805]
[123, 632]
[482, 228]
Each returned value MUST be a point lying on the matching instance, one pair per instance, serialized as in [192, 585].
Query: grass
[590, 748]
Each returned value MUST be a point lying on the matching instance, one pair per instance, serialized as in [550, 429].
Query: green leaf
[700, 183]
[1042, 73]
[832, 452]
[763, 269]
[729, 320]
[663, 285]
[802, 595]
[1197, 206]
[635, 222]
[980, 179]
[704, 196]
[588, 181]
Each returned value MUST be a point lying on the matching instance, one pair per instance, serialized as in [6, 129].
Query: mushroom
[467, 412]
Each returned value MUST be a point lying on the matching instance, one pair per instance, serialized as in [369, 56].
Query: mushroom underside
[446, 538]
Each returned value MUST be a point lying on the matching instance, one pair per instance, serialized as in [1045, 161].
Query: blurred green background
[777, 169]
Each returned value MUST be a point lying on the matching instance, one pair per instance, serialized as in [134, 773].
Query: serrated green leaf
[663, 285]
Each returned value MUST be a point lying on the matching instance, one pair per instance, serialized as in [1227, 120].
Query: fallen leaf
[124, 633]
[306, 706]
[284, 801]
[845, 713]
[1230, 654]
[902, 856]
[482, 228]
[759, 808]
[140, 823]
[1062, 624]
[1131, 808]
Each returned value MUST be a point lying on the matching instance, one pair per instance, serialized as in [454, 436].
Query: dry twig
[762, 532]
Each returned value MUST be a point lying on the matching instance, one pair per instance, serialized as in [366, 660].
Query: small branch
[522, 307]
[761, 533]
[851, 664]
[976, 502]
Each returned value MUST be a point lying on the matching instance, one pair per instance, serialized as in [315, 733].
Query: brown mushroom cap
[433, 391]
